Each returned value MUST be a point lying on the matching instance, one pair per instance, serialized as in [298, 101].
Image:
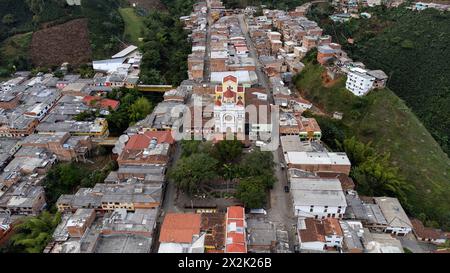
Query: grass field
[383, 119]
[134, 25]
[17, 45]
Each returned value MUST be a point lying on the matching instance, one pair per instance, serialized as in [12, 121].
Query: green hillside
[19, 17]
[413, 49]
[134, 25]
[384, 120]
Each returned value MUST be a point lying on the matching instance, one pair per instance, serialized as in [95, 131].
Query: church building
[229, 106]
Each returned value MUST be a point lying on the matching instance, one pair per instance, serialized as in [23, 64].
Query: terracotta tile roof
[426, 232]
[235, 241]
[104, 103]
[180, 227]
[235, 212]
[316, 230]
[230, 78]
[312, 232]
[142, 141]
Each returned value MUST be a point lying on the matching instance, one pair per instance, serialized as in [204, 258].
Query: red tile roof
[142, 141]
[235, 241]
[425, 232]
[235, 212]
[230, 78]
[104, 103]
[180, 227]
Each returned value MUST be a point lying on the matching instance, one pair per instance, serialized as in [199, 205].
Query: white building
[398, 222]
[317, 235]
[359, 82]
[229, 106]
[317, 198]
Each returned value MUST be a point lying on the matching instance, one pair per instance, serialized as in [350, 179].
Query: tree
[62, 179]
[227, 151]
[251, 192]
[140, 109]
[257, 163]
[190, 172]
[59, 74]
[8, 19]
[35, 232]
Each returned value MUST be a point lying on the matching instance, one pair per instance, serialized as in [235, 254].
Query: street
[281, 212]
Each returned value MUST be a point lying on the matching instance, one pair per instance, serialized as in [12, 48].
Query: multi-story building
[317, 198]
[318, 235]
[359, 82]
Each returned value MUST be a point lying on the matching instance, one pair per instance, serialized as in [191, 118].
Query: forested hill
[20, 19]
[413, 48]
[272, 4]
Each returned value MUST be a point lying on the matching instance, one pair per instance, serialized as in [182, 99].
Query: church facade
[229, 107]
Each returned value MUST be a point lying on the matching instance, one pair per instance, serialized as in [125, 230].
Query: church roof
[230, 78]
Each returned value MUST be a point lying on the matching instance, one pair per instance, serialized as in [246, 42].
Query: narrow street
[281, 212]
[207, 66]
[171, 191]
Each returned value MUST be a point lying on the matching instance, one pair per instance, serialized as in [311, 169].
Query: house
[309, 129]
[318, 235]
[380, 243]
[102, 103]
[180, 233]
[147, 148]
[261, 236]
[353, 232]
[324, 54]
[80, 221]
[235, 238]
[398, 222]
[435, 236]
[380, 78]
[213, 225]
[319, 161]
[359, 82]
[315, 197]
[105, 197]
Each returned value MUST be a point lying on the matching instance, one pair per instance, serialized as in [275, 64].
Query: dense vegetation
[33, 234]
[272, 4]
[25, 16]
[401, 148]
[202, 162]
[165, 47]
[412, 48]
[133, 107]
[65, 178]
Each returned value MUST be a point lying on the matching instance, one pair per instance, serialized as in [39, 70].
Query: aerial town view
[233, 126]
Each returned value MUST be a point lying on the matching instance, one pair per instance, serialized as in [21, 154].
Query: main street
[207, 63]
[281, 212]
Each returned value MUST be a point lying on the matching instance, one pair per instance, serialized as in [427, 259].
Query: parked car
[282, 166]
[286, 188]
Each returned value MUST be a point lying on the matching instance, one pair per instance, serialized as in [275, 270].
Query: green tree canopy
[227, 151]
[190, 172]
[34, 233]
[251, 192]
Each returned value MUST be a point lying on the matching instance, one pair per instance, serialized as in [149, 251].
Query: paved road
[410, 242]
[281, 212]
[207, 63]
[262, 77]
[171, 191]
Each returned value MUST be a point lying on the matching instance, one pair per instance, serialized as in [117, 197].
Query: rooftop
[180, 227]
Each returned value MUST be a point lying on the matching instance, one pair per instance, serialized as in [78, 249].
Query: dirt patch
[327, 82]
[68, 42]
